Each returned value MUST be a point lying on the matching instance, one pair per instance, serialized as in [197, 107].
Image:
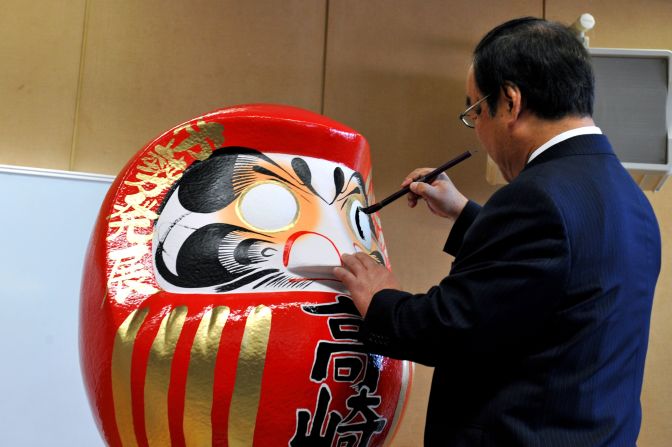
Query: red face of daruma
[209, 315]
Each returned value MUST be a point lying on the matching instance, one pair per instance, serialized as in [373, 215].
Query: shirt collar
[586, 130]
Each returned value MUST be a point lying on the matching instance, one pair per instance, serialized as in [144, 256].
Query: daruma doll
[209, 314]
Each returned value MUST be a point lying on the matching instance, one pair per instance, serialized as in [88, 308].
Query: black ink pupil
[357, 224]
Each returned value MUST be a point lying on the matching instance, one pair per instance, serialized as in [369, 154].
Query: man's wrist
[457, 211]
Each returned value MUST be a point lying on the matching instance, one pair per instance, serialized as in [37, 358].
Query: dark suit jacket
[538, 335]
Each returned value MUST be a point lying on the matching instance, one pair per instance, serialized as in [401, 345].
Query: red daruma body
[209, 315]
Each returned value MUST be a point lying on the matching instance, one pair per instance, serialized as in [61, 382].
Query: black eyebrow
[265, 171]
[303, 173]
[359, 185]
[261, 170]
[354, 191]
[339, 182]
[269, 173]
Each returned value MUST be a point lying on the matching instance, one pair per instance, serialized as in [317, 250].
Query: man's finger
[343, 275]
[419, 189]
[424, 190]
[353, 264]
[366, 260]
[412, 199]
[414, 175]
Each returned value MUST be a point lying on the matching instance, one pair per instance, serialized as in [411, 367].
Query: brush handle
[427, 178]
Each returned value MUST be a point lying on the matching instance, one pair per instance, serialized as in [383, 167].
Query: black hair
[545, 60]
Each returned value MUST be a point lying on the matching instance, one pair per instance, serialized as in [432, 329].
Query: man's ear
[512, 99]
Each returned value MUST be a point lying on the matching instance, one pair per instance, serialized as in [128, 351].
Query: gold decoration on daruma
[247, 388]
[201, 377]
[122, 353]
[157, 377]
[130, 223]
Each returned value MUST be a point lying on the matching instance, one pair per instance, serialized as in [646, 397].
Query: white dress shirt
[586, 130]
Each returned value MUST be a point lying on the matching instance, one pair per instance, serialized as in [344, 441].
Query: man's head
[544, 60]
[534, 80]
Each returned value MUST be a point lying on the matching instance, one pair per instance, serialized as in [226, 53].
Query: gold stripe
[247, 388]
[122, 352]
[407, 367]
[157, 378]
[201, 377]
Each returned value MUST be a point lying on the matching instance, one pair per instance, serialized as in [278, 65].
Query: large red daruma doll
[209, 315]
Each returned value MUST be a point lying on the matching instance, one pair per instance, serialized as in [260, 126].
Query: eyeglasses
[475, 107]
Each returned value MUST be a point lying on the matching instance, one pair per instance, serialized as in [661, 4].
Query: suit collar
[593, 144]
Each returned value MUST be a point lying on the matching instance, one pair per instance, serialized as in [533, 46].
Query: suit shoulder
[529, 190]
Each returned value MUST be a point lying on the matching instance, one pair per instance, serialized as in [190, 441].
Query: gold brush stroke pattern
[201, 377]
[122, 352]
[405, 373]
[157, 378]
[134, 213]
[247, 388]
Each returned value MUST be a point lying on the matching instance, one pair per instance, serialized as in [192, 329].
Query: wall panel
[40, 46]
[396, 72]
[153, 64]
[619, 23]
[626, 24]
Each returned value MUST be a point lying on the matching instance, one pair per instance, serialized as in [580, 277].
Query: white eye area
[360, 223]
[268, 206]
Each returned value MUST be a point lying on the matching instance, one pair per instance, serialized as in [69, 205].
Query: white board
[46, 220]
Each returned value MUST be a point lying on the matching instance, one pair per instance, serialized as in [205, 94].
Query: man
[538, 335]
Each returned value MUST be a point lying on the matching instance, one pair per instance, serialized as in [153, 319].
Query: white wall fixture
[581, 26]
[633, 107]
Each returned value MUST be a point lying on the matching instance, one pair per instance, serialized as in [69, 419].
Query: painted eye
[360, 223]
[268, 206]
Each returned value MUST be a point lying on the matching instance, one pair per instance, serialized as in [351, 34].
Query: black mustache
[227, 257]
[199, 261]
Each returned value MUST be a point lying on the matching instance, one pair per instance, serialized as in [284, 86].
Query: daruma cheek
[193, 331]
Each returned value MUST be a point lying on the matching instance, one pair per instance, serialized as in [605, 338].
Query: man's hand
[442, 197]
[363, 277]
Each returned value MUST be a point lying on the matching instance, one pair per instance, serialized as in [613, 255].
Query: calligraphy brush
[427, 178]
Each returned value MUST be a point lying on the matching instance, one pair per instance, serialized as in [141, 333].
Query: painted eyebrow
[264, 171]
[354, 191]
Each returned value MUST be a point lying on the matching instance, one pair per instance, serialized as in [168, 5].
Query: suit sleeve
[509, 275]
[460, 227]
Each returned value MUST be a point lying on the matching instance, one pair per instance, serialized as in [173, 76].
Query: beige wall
[40, 50]
[84, 84]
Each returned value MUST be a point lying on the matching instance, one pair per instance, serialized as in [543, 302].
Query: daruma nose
[309, 254]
